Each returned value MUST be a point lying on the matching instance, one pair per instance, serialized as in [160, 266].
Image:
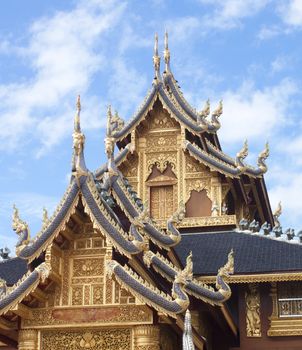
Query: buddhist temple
[171, 244]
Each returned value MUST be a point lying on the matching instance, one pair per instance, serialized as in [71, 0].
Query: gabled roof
[130, 235]
[217, 160]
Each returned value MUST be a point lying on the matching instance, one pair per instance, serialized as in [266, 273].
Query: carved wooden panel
[161, 199]
[96, 339]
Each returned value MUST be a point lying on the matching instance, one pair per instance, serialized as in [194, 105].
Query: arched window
[199, 204]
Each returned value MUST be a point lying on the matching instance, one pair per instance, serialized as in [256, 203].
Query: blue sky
[247, 52]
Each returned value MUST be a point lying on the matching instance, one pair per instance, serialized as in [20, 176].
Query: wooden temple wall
[254, 332]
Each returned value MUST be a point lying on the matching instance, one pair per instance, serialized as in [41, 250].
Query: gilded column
[28, 339]
[146, 337]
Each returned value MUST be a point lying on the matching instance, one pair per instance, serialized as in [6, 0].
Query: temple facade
[171, 244]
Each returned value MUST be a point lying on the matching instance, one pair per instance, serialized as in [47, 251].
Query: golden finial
[78, 103]
[18, 225]
[189, 266]
[278, 210]
[109, 140]
[262, 157]
[77, 124]
[45, 219]
[78, 136]
[109, 117]
[167, 53]
[243, 153]
[156, 59]
[265, 153]
[206, 109]
[218, 111]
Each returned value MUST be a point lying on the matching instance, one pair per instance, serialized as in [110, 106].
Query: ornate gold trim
[204, 221]
[250, 278]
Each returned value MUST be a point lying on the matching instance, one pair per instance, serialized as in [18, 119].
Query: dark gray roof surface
[252, 253]
[12, 270]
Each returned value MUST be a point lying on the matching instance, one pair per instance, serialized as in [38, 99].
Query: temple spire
[78, 162]
[109, 139]
[167, 53]
[77, 122]
[156, 60]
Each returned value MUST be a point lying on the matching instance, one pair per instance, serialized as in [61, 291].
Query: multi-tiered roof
[144, 252]
[115, 210]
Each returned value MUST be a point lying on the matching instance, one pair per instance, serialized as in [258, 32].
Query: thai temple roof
[131, 237]
[105, 193]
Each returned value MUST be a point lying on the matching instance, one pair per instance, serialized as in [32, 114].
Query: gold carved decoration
[193, 166]
[105, 339]
[130, 168]
[161, 161]
[88, 267]
[27, 339]
[204, 221]
[146, 337]
[162, 142]
[106, 315]
[198, 185]
[252, 300]
[162, 120]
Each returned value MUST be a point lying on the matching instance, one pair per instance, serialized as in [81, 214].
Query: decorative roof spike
[109, 140]
[156, 60]
[188, 270]
[243, 153]
[45, 218]
[278, 210]
[206, 109]
[218, 111]
[187, 338]
[78, 141]
[167, 54]
[276, 216]
[21, 228]
[77, 122]
[262, 157]
[109, 118]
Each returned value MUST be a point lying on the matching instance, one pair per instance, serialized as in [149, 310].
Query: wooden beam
[55, 277]
[40, 295]
[9, 341]
[8, 325]
[258, 203]
[68, 234]
[23, 311]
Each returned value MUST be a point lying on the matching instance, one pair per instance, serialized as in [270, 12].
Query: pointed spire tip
[78, 103]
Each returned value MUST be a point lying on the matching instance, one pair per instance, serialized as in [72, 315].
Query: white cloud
[126, 79]
[228, 13]
[289, 193]
[30, 207]
[253, 113]
[182, 27]
[291, 12]
[62, 53]
[280, 63]
[267, 32]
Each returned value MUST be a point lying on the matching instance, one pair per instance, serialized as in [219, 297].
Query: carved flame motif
[87, 341]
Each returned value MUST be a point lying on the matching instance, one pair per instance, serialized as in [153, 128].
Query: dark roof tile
[252, 253]
[12, 270]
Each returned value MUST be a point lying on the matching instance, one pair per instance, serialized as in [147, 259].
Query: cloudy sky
[247, 52]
